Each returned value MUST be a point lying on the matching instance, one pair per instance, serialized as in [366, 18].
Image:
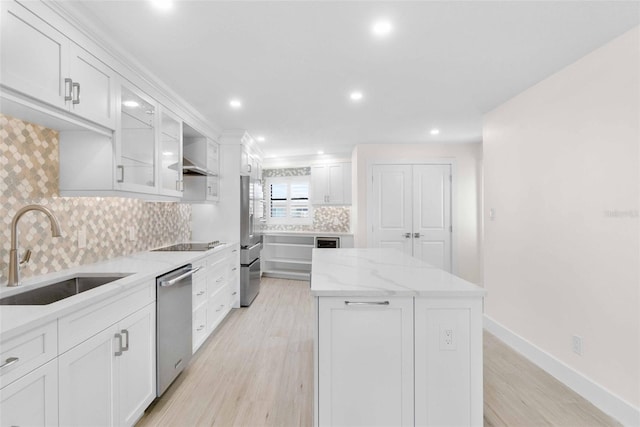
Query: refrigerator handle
[251, 230]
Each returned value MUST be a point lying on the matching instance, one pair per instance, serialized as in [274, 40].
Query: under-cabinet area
[288, 255]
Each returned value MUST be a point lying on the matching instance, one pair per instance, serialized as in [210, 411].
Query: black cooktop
[190, 247]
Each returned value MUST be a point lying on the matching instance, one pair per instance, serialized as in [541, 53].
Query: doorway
[410, 210]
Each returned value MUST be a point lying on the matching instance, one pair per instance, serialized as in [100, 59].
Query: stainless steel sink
[60, 290]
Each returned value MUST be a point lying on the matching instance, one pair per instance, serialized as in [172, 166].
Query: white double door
[411, 211]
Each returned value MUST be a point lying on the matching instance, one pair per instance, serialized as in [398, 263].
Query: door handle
[119, 351]
[76, 98]
[366, 303]
[407, 235]
[416, 235]
[68, 89]
[10, 361]
[126, 334]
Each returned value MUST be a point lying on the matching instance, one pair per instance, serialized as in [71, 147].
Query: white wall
[466, 195]
[557, 158]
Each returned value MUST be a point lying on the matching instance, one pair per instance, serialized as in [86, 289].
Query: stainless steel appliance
[250, 242]
[328, 242]
[173, 325]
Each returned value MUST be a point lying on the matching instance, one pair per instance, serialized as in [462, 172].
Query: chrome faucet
[14, 266]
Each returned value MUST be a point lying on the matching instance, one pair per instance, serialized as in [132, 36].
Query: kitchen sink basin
[60, 290]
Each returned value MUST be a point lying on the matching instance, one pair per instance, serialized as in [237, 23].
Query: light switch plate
[82, 237]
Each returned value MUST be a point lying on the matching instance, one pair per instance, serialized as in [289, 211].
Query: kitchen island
[397, 341]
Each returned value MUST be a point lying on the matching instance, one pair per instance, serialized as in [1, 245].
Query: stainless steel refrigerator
[250, 239]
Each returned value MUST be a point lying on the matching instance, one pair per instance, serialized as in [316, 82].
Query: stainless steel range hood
[189, 167]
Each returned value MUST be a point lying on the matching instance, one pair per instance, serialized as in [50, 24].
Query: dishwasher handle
[165, 283]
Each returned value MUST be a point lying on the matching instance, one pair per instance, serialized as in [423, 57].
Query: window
[289, 200]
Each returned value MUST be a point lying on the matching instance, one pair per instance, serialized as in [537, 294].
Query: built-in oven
[328, 242]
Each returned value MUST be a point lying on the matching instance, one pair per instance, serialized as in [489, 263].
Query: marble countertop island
[382, 272]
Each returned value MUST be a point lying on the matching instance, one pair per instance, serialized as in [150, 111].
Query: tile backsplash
[335, 219]
[29, 158]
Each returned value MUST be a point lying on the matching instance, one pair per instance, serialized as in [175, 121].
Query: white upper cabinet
[170, 153]
[205, 154]
[331, 184]
[136, 142]
[42, 63]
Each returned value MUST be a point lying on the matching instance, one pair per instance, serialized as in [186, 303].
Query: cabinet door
[318, 185]
[137, 365]
[245, 162]
[136, 142]
[34, 57]
[213, 156]
[335, 184]
[448, 356]
[87, 378]
[170, 162]
[33, 399]
[365, 361]
[93, 91]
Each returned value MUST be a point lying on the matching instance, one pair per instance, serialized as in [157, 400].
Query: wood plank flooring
[257, 370]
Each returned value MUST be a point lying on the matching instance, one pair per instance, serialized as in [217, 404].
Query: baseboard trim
[603, 399]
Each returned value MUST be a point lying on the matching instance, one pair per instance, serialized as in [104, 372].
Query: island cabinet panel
[448, 362]
[365, 361]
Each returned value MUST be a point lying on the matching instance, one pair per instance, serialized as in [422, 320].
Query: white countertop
[371, 272]
[16, 319]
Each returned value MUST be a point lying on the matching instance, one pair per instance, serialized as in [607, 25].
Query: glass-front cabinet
[136, 148]
[170, 161]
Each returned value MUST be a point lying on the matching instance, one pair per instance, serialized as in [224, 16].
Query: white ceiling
[294, 63]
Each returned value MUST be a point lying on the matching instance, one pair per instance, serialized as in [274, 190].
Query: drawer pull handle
[126, 334]
[366, 303]
[10, 361]
[119, 351]
[200, 328]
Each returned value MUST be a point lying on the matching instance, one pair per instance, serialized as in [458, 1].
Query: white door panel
[432, 214]
[392, 216]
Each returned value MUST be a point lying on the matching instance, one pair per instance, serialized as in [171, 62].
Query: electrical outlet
[132, 233]
[492, 214]
[82, 237]
[576, 344]
[447, 338]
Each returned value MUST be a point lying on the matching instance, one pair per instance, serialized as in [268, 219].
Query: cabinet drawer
[199, 288]
[77, 327]
[217, 308]
[31, 349]
[199, 327]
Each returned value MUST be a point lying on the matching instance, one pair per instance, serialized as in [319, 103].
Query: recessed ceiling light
[382, 28]
[162, 4]
[260, 138]
[235, 104]
[434, 131]
[355, 96]
[320, 152]
[130, 103]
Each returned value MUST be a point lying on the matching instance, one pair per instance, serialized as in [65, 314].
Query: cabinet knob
[416, 235]
[407, 235]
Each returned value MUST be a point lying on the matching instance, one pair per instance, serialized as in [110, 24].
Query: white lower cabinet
[448, 368]
[365, 361]
[385, 360]
[110, 378]
[32, 400]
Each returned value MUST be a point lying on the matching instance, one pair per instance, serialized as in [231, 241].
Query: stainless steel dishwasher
[173, 325]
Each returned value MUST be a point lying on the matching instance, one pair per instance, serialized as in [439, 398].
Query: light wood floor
[257, 370]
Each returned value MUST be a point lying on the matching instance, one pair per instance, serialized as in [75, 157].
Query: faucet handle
[26, 257]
